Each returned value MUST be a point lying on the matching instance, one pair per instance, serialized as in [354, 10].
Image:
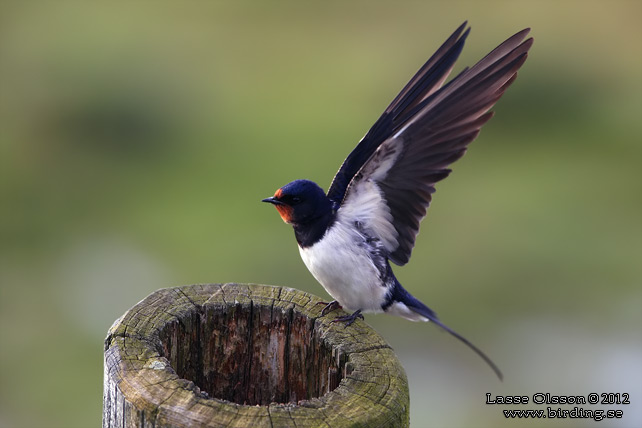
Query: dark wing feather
[428, 79]
[432, 134]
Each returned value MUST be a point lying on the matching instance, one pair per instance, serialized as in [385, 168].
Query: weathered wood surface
[239, 355]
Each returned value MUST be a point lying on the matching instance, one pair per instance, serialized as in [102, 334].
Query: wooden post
[239, 355]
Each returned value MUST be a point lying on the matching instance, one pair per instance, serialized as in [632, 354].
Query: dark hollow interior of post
[252, 354]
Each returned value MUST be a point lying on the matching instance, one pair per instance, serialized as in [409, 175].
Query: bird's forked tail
[402, 296]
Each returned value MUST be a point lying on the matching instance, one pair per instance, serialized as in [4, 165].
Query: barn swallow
[371, 213]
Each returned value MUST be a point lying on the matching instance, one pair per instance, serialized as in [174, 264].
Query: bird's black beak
[272, 200]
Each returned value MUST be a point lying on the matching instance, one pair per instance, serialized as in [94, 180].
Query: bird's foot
[349, 319]
[329, 307]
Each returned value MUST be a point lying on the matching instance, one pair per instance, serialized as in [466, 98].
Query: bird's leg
[329, 307]
[349, 319]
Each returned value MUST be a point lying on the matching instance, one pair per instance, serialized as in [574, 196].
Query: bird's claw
[329, 307]
[349, 319]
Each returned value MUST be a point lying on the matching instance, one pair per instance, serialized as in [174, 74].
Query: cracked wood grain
[246, 355]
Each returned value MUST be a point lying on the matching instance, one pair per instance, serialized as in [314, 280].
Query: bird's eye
[295, 199]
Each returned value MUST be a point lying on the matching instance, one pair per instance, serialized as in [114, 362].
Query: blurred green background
[136, 141]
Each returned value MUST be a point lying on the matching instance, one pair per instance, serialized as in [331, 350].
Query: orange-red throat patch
[285, 212]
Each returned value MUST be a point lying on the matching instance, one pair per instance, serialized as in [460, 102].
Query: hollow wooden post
[239, 355]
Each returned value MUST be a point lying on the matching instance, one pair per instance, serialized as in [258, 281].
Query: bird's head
[300, 201]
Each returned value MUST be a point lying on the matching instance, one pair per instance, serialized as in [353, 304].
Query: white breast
[344, 268]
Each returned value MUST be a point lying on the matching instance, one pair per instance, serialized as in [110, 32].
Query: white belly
[345, 270]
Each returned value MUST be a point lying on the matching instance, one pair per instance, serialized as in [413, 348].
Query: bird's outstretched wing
[430, 77]
[388, 180]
